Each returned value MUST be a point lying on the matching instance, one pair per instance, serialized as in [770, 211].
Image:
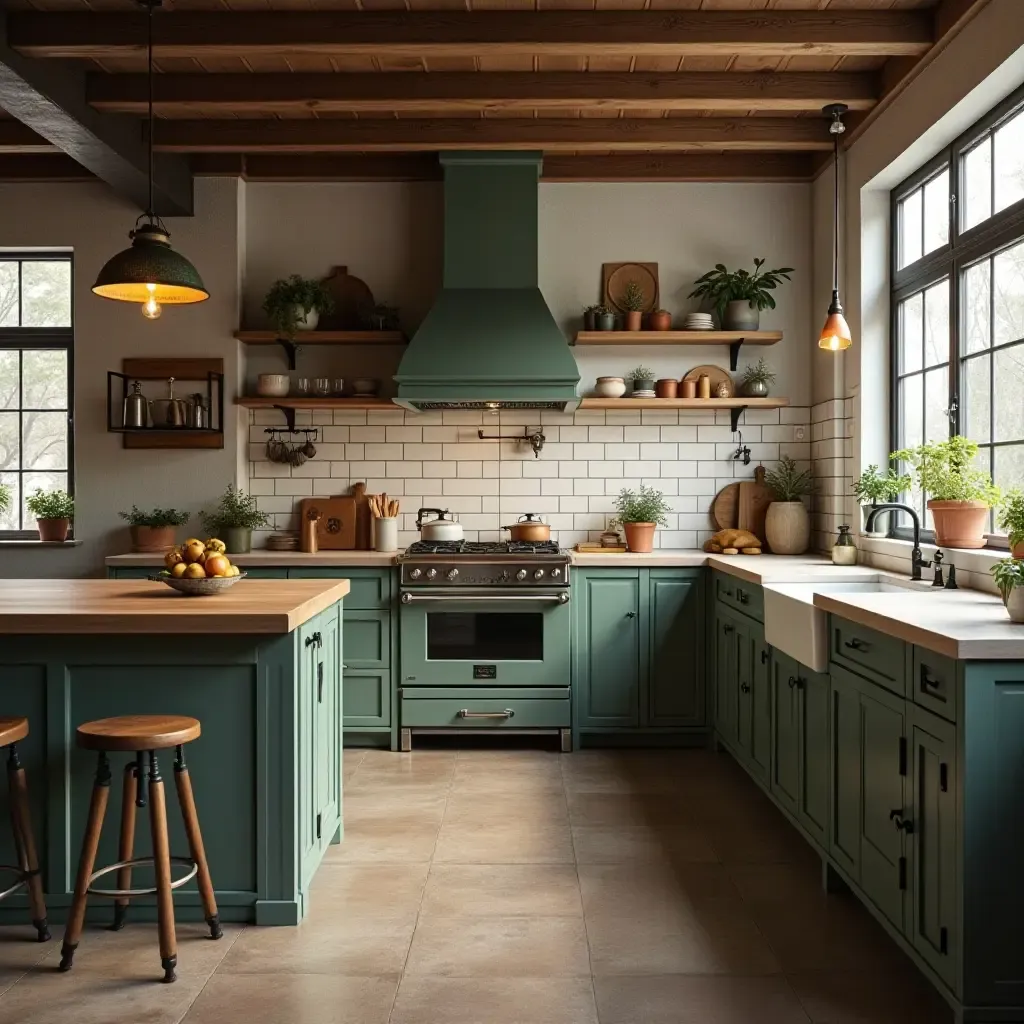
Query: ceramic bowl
[610, 387]
[272, 385]
[365, 385]
[206, 587]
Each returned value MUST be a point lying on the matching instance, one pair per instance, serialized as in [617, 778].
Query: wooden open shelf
[734, 339]
[300, 402]
[735, 405]
[324, 337]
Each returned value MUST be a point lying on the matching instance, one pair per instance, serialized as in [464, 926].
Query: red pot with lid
[530, 528]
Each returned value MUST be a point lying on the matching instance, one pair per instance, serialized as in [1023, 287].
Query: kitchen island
[259, 666]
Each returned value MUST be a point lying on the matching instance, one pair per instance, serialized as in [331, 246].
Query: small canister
[136, 408]
[704, 386]
[688, 389]
[385, 534]
[667, 387]
[844, 551]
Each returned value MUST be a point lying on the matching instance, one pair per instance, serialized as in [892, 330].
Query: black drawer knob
[856, 644]
[745, 687]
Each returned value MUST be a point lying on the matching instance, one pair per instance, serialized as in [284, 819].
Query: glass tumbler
[322, 386]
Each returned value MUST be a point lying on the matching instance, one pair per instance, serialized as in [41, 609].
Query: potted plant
[1011, 520]
[590, 317]
[642, 378]
[659, 320]
[384, 317]
[295, 304]
[633, 303]
[233, 520]
[757, 379]
[6, 499]
[54, 511]
[1008, 574]
[873, 488]
[739, 296]
[154, 531]
[959, 494]
[787, 525]
[605, 318]
[640, 514]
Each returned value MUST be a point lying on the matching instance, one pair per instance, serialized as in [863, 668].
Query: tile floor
[518, 887]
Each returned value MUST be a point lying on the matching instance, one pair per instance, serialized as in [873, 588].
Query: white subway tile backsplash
[402, 434]
[539, 468]
[606, 433]
[588, 485]
[605, 469]
[468, 485]
[587, 452]
[622, 451]
[422, 452]
[715, 433]
[518, 486]
[687, 432]
[376, 452]
[624, 417]
[377, 434]
[556, 485]
[437, 470]
[648, 433]
[572, 469]
[659, 450]
[571, 434]
[293, 485]
[679, 468]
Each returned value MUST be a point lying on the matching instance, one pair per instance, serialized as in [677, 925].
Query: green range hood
[489, 341]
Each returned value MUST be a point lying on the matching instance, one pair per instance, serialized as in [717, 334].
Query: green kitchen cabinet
[743, 690]
[815, 744]
[784, 778]
[638, 655]
[726, 678]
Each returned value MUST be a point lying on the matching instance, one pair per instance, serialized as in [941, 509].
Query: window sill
[974, 560]
[39, 544]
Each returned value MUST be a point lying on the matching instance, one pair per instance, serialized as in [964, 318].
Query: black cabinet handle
[795, 683]
[727, 628]
[856, 644]
[742, 597]
[728, 593]
[314, 638]
[902, 824]
[927, 683]
[630, 615]
[745, 687]
[764, 657]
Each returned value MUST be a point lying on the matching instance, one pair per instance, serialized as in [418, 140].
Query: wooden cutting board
[353, 301]
[598, 549]
[336, 530]
[364, 527]
[725, 509]
[754, 499]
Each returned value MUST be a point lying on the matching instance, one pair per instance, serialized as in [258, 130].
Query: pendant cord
[835, 213]
[149, 49]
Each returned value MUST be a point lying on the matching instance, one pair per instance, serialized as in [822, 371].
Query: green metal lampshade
[150, 270]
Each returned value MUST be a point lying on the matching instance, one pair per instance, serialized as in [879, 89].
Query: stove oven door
[460, 638]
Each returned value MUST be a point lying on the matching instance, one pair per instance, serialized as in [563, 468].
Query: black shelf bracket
[289, 416]
[734, 415]
[290, 350]
[734, 355]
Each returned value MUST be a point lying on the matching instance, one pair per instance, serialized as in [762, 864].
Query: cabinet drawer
[743, 597]
[873, 655]
[367, 637]
[548, 711]
[366, 700]
[933, 683]
[369, 588]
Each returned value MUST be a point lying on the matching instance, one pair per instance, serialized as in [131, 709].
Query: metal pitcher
[136, 407]
[169, 411]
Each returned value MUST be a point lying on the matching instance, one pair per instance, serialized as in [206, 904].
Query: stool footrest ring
[135, 862]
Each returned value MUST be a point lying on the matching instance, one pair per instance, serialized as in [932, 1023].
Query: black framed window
[36, 374]
[958, 298]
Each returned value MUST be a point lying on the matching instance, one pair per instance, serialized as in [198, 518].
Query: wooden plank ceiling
[608, 89]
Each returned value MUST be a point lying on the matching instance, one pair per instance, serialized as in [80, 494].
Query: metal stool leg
[195, 842]
[162, 866]
[129, 800]
[25, 843]
[90, 843]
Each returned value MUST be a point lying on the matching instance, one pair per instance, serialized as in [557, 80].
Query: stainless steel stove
[485, 639]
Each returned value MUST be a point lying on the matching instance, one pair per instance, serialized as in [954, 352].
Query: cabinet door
[726, 679]
[813, 802]
[608, 653]
[675, 695]
[785, 762]
[367, 700]
[760, 702]
[308, 752]
[327, 664]
[744, 680]
[932, 808]
[844, 727]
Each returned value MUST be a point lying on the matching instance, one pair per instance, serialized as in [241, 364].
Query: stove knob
[415, 574]
[538, 574]
[431, 573]
[505, 576]
[521, 575]
[556, 573]
[452, 573]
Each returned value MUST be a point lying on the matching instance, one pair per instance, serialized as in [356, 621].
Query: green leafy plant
[721, 286]
[1008, 574]
[288, 295]
[6, 498]
[596, 310]
[237, 510]
[787, 482]
[1011, 516]
[56, 504]
[945, 471]
[633, 300]
[641, 373]
[158, 518]
[872, 487]
[759, 373]
[645, 506]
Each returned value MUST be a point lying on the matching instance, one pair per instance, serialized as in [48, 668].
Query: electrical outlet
[800, 433]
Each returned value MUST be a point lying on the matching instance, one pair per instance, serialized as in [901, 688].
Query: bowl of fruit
[199, 569]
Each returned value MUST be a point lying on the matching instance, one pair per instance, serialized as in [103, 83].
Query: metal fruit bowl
[205, 587]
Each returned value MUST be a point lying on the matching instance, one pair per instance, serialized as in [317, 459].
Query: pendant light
[835, 335]
[150, 271]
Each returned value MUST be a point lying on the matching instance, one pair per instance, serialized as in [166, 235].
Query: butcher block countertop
[61, 607]
[262, 557]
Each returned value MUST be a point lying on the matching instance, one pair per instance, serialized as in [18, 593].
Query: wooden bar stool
[12, 732]
[144, 735]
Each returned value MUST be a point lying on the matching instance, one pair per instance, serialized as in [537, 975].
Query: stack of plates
[698, 322]
[644, 393]
[283, 542]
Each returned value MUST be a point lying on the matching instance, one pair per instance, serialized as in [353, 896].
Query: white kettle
[445, 527]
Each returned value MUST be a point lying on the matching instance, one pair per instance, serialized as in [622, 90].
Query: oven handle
[560, 598]
[466, 713]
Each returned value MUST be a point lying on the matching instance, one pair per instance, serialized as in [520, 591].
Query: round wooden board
[725, 507]
[717, 375]
[633, 272]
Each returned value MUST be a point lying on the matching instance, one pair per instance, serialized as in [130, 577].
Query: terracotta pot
[634, 319]
[660, 320]
[667, 387]
[688, 388]
[1018, 549]
[959, 524]
[53, 529]
[787, 527]
[1015, 604]
[153, 538]
[640, 536]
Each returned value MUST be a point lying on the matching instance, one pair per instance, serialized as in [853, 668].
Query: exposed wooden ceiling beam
[427, 134]
[781, 33]
[319, 166]
[42, 167]
[51, 101]
[184, 94]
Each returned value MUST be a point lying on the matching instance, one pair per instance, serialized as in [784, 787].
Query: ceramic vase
[237, 539]
[643, 385]
[660, 320]
[959, 524]
[787, 527]
[610, 387]
[153, 538]
[53, 529]
[606, 321]
[589, 320]
[740, 315]
[640, 536]
[306, 321]
[865, 511]
[756, 389]
[1015, 604]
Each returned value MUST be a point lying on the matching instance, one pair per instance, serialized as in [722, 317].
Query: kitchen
[530, 824]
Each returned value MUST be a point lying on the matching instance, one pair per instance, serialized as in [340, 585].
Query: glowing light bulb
[151, 309]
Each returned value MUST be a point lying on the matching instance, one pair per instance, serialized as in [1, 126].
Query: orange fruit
[217, 565]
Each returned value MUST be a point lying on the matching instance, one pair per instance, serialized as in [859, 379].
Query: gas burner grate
[469, 547]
